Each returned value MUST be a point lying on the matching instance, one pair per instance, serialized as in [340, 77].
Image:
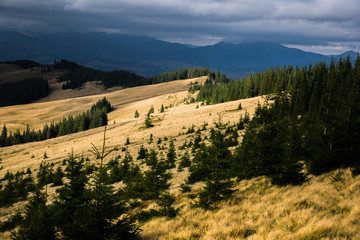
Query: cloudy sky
[324, 26]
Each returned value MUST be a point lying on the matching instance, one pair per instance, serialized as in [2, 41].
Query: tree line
[23, 63]
[76, 75]
[24, 91]
[313, 124]
[183, 73]
[95, 117]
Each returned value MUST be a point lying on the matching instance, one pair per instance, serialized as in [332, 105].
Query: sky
[322, 26]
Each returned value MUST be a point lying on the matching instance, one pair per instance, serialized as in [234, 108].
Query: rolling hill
[325, 206]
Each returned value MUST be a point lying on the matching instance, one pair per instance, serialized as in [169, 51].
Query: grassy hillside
[325, 207]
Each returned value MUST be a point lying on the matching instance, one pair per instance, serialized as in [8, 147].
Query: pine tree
[58, 177]
[156, 178]
[184, 162]
[38, 221]
[162, 108]
[73, 201]
[136, 115]
[171, 155]
[142, 152]
[166, 203]
[107, 207]
[218, 185]
[3, 137]
[148, 122]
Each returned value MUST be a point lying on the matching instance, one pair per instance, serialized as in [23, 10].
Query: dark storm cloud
[301, 22]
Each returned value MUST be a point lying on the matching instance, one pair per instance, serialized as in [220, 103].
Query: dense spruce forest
[24, 91]
[93, 118]
[314, 119]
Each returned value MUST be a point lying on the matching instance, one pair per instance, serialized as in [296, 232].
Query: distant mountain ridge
[148, 56]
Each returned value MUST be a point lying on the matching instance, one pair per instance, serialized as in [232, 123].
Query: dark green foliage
[73, 200]
[45, 174]
[243, 121]
[166, 208]
[197, 169]
[11, 223]
[24, 64]
[127, 141]
[151, 111]
[356, 170]
[197, 141]
[194, 87]
[185, 187]
[133, 180]
[24, 91]
[148, 122]
[93, 118]
[191, 129]
[76, 75]
[106, 207]
[162, 108]
[16, 188]
[142, 152]
[136, 115]
[3, 137]
[321, 122]
[184, 73]
[239, 107]
[166, 203]
[119, 171]
[103, 103]
[38, 221]
[212, 164]
[272, 146]
[92, 211]
[58, 177]
[171, 155]
[184, 161]
[156, 178]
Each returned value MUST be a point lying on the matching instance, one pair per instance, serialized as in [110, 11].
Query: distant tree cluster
[183, 73]
[24, 91]
[76, 75]
[23, 63]
[93, 118]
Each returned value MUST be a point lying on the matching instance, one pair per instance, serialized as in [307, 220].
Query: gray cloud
[300, 22]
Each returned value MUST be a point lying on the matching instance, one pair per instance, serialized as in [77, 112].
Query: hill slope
[324, 207]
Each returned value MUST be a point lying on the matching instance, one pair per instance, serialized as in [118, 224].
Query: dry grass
[319, 209]
[325, 207]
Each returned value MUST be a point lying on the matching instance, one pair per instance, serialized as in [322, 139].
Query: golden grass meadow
[324, 207]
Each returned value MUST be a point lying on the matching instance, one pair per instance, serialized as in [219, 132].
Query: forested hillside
[93, 118]
[315, 119]
[75, 75]
[24, 91]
